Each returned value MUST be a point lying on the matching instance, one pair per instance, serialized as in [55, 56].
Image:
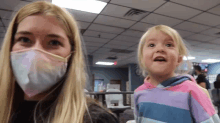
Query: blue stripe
[174, 80]
[163, 113]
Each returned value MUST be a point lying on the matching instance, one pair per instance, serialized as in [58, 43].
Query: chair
[131, 121]
[112, 99]
[85, 92]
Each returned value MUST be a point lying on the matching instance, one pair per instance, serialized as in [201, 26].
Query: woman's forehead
[41, 24]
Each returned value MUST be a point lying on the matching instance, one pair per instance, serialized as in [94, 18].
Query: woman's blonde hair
[70, 103]
[173, 34]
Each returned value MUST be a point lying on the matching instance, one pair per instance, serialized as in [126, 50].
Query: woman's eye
[24, 39]
[169, 45]
[54, 43]
[151, 45]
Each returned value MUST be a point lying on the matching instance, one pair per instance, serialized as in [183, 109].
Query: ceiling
[197, 21]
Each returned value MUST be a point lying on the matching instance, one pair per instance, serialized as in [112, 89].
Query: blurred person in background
[201, 79]
[216, 93]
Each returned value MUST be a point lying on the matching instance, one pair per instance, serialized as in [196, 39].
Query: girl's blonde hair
[173, 34]
[70, 102]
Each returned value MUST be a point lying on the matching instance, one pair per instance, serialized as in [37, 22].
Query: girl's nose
[159, 48]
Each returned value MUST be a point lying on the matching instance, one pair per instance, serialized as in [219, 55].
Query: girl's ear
[180, 60]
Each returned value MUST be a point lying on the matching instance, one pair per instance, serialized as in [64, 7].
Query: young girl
[166, 97]
[42, 70]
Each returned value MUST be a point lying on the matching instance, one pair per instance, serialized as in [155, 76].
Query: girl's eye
[54, 43]
[151, 45]
[169, 45]
[24, 40]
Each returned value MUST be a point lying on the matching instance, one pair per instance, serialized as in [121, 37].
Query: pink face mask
[36, 70]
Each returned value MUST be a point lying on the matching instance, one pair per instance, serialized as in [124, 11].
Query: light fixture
[104, 63]
[211, 60]
[188, 58]
[93, 6]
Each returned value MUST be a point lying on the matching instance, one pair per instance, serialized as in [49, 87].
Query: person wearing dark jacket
[216, 93]
[42, 70]
[201, 79]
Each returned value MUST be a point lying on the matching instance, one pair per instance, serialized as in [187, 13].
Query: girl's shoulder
[99, 114]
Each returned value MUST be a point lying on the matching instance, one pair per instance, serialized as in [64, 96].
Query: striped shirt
[176, 100]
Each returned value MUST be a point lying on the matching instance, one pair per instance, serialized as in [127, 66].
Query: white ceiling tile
[92, 48]
[133, 33]
[104, 28]
[135, 47]
[184, 33]
[83, 25]
[90, 51]
[104, 0]
[104, 49]
[201, 37]
[141, 26]
[207, 19]
[101, 51]
[119, 11]
[148, 5]
[99, 34]
[115, 46]
[159, 19]
[2, 29]
[192, 27]
[6, 22]
[124, 43]
[2, 35]
[111, 21]
[9, 4]
[191, 42]
[215, 10]
[22, 4]
[127, 39]
[217, 41]
[93, 44]
[199, 4]
[6, 14]
[212, 32]
[82, 16]
[1, 24]
[177, 11]
[110, 46]
[93, 39]
[207, 45]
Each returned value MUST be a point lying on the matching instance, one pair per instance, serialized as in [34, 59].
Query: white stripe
[148, 120]
[213, 119]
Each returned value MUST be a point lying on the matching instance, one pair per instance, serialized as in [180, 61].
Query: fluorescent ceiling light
[104, 63]
[211, 60]
[93, 6]
[188, 58]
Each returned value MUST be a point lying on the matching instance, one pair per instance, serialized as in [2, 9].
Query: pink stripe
[140, 88]
[197, 93]
[145, 86]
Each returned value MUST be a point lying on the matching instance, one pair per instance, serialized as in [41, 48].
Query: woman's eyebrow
[24, 32]
[49, 35]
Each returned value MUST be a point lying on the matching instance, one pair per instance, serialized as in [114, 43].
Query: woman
[42, 70]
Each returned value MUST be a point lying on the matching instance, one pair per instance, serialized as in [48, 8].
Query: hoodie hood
[175, 81]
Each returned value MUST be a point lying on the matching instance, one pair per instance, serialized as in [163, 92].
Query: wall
[111, 73]
[134, 79]
[214, 68]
